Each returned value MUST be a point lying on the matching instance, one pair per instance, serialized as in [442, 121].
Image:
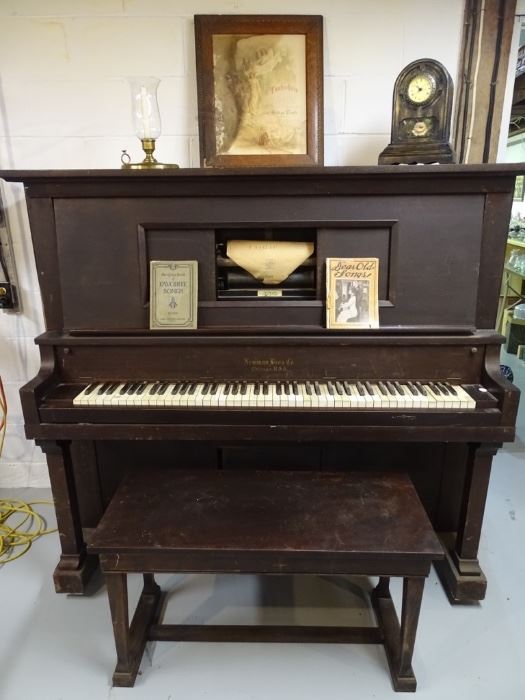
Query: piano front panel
[429, 249]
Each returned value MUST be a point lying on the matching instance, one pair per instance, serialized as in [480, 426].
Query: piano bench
[265, 522]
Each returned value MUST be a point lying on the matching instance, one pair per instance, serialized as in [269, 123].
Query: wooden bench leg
[130, 640]
[399, 639]
[412, 596]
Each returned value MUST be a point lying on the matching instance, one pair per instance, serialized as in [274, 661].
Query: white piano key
[438, 398]
[326, 397]
[356, 400]
[235, 396]
[418, 400]
[374, 400]
[404, 398]
[82, 399]
[112, 399]
[466, 401]
[306, 399]
[450, 401]
[386, 399]
[215, 394]
[195, 398]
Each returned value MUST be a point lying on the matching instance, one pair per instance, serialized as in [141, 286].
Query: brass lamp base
[149, 162]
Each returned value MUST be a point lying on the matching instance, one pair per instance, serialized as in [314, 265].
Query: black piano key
[141, 388]
[421, 389]
[176, 387]
[89, 389]
[213, 389]
[444, 389]
[369, 388]
[295, 386]
[278, 388]
[286, 388]
[132, 388]
[111, 389]
[317, 388]
[244, 388]
[192, 389]
[205, 389]
[256, 389]
[391, 388]
[183, 388]
[103, 388]
[412, 389]
[339, 388]
[308, 387]
[382, 388]
[360, 389]
[399, 388]
[331, 388]
[347, 388]
[154, 389]
[235, 389]
[227, 389]
[265, 389]
[162, 389]
[451, 389]
[435, 388]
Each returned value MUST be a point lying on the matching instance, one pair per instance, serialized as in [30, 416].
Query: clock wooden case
[421, 112]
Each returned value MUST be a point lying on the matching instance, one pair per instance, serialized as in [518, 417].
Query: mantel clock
[421, 112]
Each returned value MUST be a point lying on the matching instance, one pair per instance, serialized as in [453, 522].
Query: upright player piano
[262, 383]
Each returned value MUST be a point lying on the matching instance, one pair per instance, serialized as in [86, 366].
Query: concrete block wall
[64, 103]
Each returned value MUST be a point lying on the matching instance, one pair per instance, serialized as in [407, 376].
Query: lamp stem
[148, 146]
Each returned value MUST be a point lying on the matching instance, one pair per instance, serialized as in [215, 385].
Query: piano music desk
[237, 521]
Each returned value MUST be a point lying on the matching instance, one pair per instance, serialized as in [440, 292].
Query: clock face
[421, 88]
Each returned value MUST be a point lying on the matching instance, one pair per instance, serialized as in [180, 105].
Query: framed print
[260, 89]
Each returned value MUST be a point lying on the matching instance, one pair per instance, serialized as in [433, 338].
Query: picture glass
[260, 94]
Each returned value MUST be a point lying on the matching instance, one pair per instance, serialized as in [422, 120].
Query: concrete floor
[61, 647]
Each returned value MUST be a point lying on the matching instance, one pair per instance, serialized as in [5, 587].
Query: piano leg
[74, 567]
[460, 572]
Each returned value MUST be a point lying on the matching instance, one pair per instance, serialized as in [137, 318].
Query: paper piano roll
[271, 262]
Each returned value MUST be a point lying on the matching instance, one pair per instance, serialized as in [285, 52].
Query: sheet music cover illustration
[173, 294]
[352, 292]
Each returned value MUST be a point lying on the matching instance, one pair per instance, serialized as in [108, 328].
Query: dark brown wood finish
[247, 521]
[74, 567]
[440, 233]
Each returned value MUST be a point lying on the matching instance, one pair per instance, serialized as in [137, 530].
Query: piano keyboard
[300, 394]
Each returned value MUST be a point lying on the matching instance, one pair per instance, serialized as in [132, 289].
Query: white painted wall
[64, 103]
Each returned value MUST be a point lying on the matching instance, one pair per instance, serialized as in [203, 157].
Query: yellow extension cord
[30, 524]
[28, 527]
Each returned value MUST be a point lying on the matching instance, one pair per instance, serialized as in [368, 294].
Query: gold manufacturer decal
[270, 364]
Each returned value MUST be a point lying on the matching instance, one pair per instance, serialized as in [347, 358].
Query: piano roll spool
[238, 279]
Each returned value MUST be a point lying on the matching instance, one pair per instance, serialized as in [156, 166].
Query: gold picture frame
[260, 89]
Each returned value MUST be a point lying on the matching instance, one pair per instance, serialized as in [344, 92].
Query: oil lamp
[146, 122]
